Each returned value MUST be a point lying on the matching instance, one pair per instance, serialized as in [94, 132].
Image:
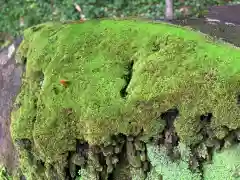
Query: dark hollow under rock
[169, 116]
[238, 99]
[206, 117]
[127, 77]
[24, 143]
[237, 134]
[82, 148]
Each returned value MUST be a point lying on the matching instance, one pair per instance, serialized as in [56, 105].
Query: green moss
[137, 174]
[88, 173]
[225, 165]
[153, 175]
[4, 174]
[168, 169]
[24, 118]
[172, 67]
[30, 167]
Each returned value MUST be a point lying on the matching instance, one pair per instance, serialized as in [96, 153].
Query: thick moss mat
[226, 165]
[121, 76]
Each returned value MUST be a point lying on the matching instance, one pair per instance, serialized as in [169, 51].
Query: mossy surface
[172, 66]
[225, 165]
[164, 166]
[4, 174]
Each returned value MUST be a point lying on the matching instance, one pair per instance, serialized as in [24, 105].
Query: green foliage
[29, 168]
[3, 174]
[88, 173]
[137, 174]
[225, 165]
[168, 169]
[35, 12]
[172, 67]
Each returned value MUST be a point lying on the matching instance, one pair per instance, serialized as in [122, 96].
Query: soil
[10, 82]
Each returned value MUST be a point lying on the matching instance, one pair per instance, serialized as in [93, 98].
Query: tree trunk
[169, 10]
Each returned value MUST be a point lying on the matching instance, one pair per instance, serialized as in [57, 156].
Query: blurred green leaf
[38, 11]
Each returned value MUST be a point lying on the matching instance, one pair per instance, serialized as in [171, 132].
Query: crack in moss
[127, 78]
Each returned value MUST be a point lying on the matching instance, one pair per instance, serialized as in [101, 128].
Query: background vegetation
[3, 174]
[18, 14]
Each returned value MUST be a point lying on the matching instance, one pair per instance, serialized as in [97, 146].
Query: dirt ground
[10, 83]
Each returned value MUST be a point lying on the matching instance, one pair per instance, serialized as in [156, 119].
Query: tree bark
[169, 10]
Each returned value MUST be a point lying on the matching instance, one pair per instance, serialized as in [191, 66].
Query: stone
[11, 50]
[202, 151]
[72, 169]
[228, 141]
[130, 138]
[143, 156]
[114, 143]
[118, 148]
[94, 158]
[213, 143]
[109, 160]
[78, 160]
[193, 163]
[139, 145]
[145, 166]
[99, 168]
[109, 168]
[107, 150]
[134, 160]
[95, 149]
[115, 160]
[237, 133]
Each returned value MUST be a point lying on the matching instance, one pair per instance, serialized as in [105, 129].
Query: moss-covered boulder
[96, 79]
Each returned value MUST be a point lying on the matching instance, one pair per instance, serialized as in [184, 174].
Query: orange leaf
[63, 82]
